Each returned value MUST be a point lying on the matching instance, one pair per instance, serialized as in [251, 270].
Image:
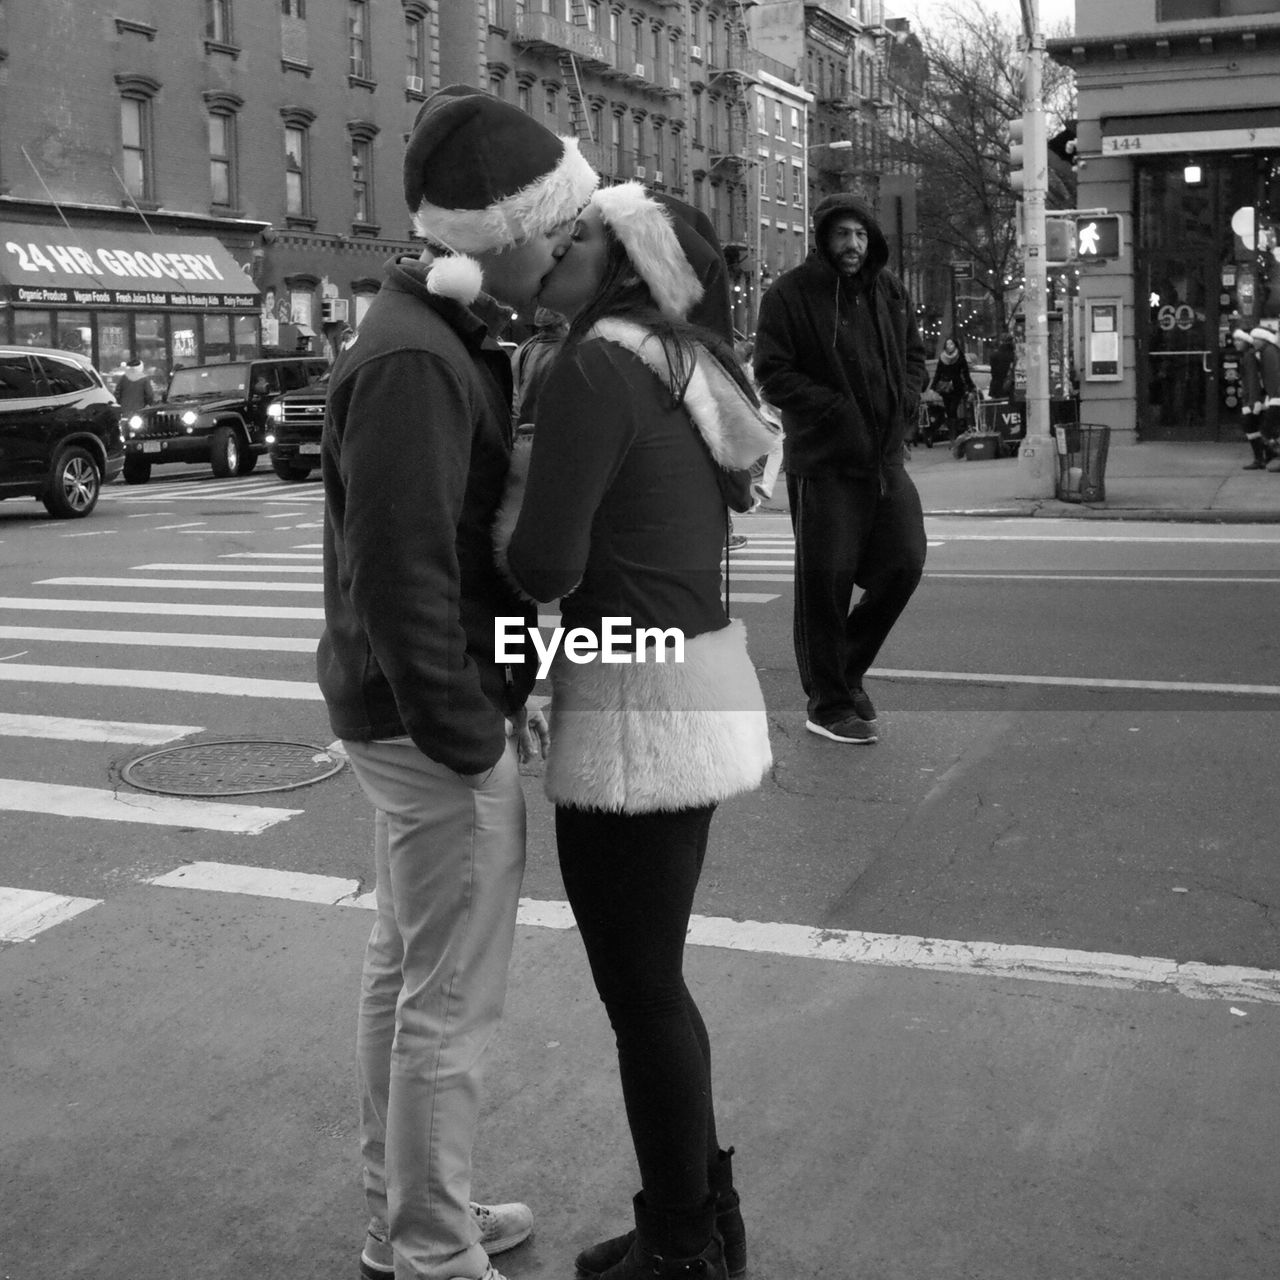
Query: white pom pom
[456, 276]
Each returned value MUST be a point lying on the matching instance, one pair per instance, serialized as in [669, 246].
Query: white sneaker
[502, 1226]
[491, 1273]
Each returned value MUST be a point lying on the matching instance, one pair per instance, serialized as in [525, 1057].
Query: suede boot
[666, 1245]
[593, 1262]
[1259, 462]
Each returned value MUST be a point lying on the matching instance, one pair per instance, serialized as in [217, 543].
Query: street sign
[962, 270]
[1098, 236]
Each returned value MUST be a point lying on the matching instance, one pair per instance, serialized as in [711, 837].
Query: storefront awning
[1245, 130]
[52, 266]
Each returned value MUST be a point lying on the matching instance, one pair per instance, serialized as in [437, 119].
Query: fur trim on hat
[734, 429]
[1267, 335]
[647, 234]
[552, 199]
[641, 737]
[455, 276]
[1240, 335]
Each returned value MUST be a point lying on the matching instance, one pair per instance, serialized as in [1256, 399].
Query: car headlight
[275, 410]
[271, 437]
[135, 422]
[190, 418]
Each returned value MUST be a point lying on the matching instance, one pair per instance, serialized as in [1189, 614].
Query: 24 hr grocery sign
[128, 269]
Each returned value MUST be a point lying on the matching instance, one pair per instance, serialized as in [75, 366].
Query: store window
[32, 328]
[184, 342]
[217, 340]
[113, 343]
[245, 338]
[151, 347]
[74, 332]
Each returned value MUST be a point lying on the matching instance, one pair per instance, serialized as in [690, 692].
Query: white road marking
[62, 801]
[67, 729]
[27, 912]
[1077, 682]
[271, 555]
[1093, 577]
[1225, 539]
[185, 584]
[170, 639]
[157, 608]
[805, 942]
[173, 681]
[236, 568]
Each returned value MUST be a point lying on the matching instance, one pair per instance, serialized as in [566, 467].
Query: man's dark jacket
[416, 449]
[840, 357]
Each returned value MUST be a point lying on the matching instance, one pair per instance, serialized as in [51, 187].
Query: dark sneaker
[850, 729]
[863, 707]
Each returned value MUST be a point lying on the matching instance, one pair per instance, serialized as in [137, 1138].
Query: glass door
[1179, 353]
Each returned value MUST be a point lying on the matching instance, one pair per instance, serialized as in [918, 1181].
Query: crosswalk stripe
[63, 801]
[183, 584]
[172, 681]
[161, 639]
[235, 568]
[69, 729]
[27, 912]
[160, 607]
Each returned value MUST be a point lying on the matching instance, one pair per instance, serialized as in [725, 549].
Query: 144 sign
[1098, 236]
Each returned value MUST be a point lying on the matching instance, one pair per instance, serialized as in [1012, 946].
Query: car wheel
[136, 470]
[224, 453]
[290, 470]
[76, 484]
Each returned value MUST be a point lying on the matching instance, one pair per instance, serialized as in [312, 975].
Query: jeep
[59, 430]
[215, 413]
[293, 437]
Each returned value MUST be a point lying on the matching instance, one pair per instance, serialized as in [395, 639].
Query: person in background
[1251, 402]
[416, 449]
[1002, 365]
[133, 389]
[952, 381]
[838, 352]
[646, 426]
[1266, 342]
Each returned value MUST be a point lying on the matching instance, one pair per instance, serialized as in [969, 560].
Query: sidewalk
[1152, 481]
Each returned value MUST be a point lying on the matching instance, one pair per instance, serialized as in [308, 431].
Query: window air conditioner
[413, 83]
[695, 51]
[640, 171]
[675, 82]
[334, 310]
[657, 175]
[639, 68]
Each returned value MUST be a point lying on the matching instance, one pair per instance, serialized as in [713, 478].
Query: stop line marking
[69, 729]
[173, 681]
[806, 942]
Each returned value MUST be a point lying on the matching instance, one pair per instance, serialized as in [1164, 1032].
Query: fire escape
[732, 166]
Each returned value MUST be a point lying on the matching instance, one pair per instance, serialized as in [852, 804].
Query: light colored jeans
[449, 852]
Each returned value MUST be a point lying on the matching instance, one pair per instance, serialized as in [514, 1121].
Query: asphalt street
[997, 997]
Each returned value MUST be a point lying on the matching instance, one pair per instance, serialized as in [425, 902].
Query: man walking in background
[838, 352]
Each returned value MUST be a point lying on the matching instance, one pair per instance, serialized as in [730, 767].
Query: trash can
[1082, 461]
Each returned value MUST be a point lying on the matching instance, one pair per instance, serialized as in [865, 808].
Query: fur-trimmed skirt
[646, 736]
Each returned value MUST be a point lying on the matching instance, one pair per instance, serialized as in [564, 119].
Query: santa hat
[1240, 335]
[647, 231]
[1263, 334]
[480, 174]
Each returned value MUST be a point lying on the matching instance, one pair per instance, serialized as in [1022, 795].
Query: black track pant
[850, 535]
[630, 879]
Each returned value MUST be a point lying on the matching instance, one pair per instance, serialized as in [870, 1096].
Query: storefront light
[1191, 175]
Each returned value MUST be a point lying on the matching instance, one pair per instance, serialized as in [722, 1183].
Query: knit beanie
[481, 174]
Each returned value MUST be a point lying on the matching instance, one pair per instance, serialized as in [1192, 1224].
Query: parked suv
[59, 430]
[214, 413]
[293, 434]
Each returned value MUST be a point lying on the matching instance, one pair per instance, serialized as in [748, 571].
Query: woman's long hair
[624, 295]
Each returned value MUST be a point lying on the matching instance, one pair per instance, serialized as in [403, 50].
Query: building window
[795, 125]
[697, 119]
[361, 180]
[217, 21]
[597, 123]
[780, 183]
[414, 60]
[552, 105]
[777, 120]
[524, 99]
[615, 142]
[135, 136]
[293, 8]
[296, 197]
[593, 17]
[615, 30]
[797, 184]
[658, 157]
[222, 158]
[357, 39]
[497, 85]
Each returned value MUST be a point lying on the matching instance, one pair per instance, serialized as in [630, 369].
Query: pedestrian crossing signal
[1098, 237]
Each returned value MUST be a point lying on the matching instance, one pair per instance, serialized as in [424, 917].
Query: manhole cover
[230, 768]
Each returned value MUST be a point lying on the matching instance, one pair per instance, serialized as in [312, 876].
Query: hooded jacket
[416, 448]
[133, 389]
[623, 516]
[841, 357]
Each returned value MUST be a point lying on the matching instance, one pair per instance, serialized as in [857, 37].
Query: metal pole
[1037, 461]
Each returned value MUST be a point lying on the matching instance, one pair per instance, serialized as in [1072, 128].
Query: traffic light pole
[1037, 460]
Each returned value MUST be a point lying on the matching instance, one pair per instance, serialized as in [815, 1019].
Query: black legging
[630, 879]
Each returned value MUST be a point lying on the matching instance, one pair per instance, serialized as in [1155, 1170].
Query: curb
[1079, 511]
